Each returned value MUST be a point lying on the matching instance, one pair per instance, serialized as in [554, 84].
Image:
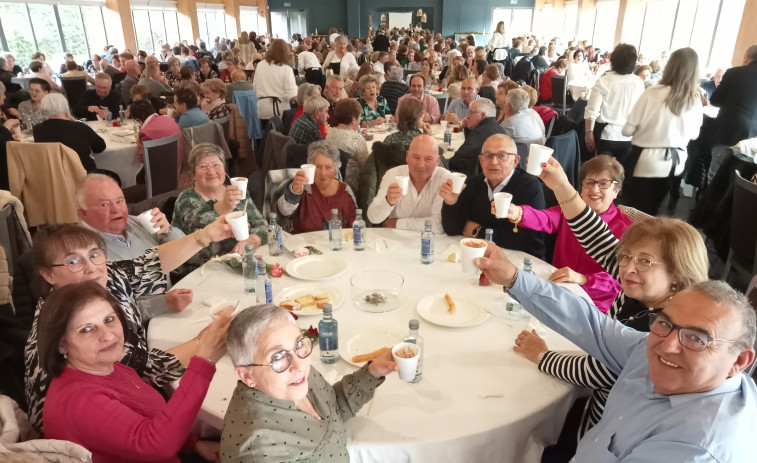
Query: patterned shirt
[173, 79]
[382, 109]
[219, 112]
[403, 137]
[305, 130]
[128, 280]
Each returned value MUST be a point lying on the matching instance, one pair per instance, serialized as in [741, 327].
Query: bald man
[133, 70]
[422, 202]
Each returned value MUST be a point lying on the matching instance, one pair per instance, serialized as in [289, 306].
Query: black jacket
[465, 159]
[381, 43]
[76, 135]
[736, 96]
[474, 204]
[90, 98]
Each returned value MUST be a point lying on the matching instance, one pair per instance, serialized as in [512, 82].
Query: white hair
[327, 149]
[518, 99]
[396, 73]
[54, 104]
[81, 198]
[244, 331]
[484, 105]
[314, 102]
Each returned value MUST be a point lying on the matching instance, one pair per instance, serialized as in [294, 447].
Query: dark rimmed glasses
[76, 264]
[603, 184]
[501, 156]
[281, 360]
[690, 338]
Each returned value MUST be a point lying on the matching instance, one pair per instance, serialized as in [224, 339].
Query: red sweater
[122, 419]
[545, 84]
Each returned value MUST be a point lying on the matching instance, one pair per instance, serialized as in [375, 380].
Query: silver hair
[340, 38]
[518, 99]
[245, 330]
[484, 105]
[305, 90]
[395, 74]
[314, 102]
[172, 60]
[333, 78]
[203, 150]
[368, 78]
[81, 198]
[723, 294]
[54, 104]
[326, 149]
[501, 69]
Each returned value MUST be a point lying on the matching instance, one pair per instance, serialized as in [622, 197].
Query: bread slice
[306, 300]
[290, 305]
[322, 299]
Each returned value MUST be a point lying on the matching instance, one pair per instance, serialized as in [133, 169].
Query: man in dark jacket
[482, 123]
[96, 102]
[469, 213]
[381, 42]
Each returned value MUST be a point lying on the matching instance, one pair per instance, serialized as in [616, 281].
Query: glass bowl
[376, 291]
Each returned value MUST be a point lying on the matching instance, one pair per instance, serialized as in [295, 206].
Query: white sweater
[347, 62]
[273, 80]
[611, 100]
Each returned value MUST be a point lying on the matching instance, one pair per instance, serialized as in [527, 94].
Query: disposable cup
[241, 183]
[471, 249]
[17, 131]
[145, 219]
[537, 154]
[458, 180]
[169, 112]
[239, 225]
[408, 366]
[309, 170]
[403, 181]
[443, 124]
[502, 204]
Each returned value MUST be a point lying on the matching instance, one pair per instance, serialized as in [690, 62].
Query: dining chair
[443, 101]
[117, 78]
[12, 236]
[560, 94]
[74, 87]
[23, 82]
[742, 251]
[161, 165]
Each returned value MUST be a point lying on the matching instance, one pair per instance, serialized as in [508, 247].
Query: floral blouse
[382, 109]
[403, 137]
[173, 79]
[128, 280]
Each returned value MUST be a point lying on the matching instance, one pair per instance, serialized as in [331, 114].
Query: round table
[478, 400]
[120, 155]
[380, 134]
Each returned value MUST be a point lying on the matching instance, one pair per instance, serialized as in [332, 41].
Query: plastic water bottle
[275, 242]
[528, 265]
[358, 231]
[263, 286]
[448, 135]
[328, 336]
[335, 231]
[489, 235]
[121, 114]
[427, 244]
[249, 269]
[108, 116]
[416, 339]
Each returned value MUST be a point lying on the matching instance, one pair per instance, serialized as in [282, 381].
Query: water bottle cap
[358, 211]
[261, 265]
[248, 249]
[428, 223]
[272, 215]
[414, 324]
[327, 308]
[334, 211]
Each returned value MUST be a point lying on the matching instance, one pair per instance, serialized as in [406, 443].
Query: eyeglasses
[690, 338]
[76, 264]
[603, 184]
[205, 167]
[501, 156]
[281, 360]
[642, 263]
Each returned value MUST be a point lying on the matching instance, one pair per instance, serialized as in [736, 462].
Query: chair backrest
[443, 101]
[274, 156]
[164, 67]
[287, 118]
[297, 155]
[383, 157]
[74, 87]
[551, 125]
[224, 123]
[744, 223]
[278, 124]
[559, 93]
[161, 165]
[164, 202]
[8, 235]
[522, 149]
[117, 78]
[250, 73]
[247, 102]
[406, 73]
[568, 154]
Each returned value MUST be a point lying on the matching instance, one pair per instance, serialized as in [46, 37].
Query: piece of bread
[322, 299]
[305, 300]
[454, 258]
[290, 305]
[450, 303]
[368, 357]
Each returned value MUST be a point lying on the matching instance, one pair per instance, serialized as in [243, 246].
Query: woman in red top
[545, 84]
[310, 205]
[232, 64]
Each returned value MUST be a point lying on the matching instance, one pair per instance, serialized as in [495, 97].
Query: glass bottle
[528, 265]
[328, 336]
[121, 114]
[275, 243]
[416, 339]
[489, 235]
[335, 231]
[358, 231]
[427, 244]
[249, 269]
[108, 116]
[448, 135]
[263, 286]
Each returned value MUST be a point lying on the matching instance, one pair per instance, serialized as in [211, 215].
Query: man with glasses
[469, 213]
[481, 123]
[681, 394]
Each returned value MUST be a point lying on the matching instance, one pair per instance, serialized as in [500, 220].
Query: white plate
[316, 267]
[365, 343]
[434, 309]
[293, 292]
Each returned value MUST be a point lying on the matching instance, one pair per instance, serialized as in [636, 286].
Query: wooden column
[119, 23]
[747, 33]
[630, 21]
[587, 10]
[231, 8]
[188, 15]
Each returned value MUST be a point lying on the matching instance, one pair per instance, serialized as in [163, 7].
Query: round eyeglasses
[281, 360]
[603, 184]
[76, 264]
[642, 263]
[690, 338]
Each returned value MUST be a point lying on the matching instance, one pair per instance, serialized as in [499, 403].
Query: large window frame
[169, 20]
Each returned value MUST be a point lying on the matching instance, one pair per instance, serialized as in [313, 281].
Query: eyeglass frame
[707, 338]
[287, 355]
[640, 268]
[68, 266]
[207, 167]
[597, 182]
[489, 156]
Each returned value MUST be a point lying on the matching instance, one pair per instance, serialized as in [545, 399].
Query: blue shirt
[639, 425]
[459, 107]
[192, 118]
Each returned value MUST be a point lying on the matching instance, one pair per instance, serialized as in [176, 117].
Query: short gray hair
[314, 102]
[368, 78]
[172, 60]
[723, 294]
[245, 330]
[484, 105]
[518, 99]
[340, 38]
[203, 150]
[327, 149]
[333, 78]
[54, 104]
[305, 90]
[81, 198]
[396, 73]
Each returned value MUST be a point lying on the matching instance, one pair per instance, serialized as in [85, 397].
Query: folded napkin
[127, 140]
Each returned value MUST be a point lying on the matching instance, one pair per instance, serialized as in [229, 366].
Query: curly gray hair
[245, 330]
[327, 149]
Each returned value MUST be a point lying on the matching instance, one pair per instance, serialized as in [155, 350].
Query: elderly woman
[172, 75]
[214, 101]
[274, 81]
[409, 122]
[578, 68]
[488, 81]
[310, 205]
[375, 107]
[187, 75]
[71, 254]
[60, 126]
[345, 137]
[211, 199]
[11, 66]
[90, 387]
[557, 67]
[7, 113]
[305, 129]
[152, 126]
[501, 98]
[205, 72]
[281, 408]
[305, 91]
[654, 259]
[29, 110]
[232, 64]
[340, 61]
[521, 123]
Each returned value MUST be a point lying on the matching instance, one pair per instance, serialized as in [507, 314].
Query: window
[212, 23]
[658, 28]
[569, 24]
[605, 24]
[94, 28]
[154, 26]
[250, 20]
[141, 21]
[725, 35]
[18, 32]
[517, 20]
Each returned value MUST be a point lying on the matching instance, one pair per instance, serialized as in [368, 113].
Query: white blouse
[273, 80]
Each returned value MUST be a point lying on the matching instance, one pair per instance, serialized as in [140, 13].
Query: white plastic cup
[502, 204]
[404, 182]
[145, 219]
[241, 183]
[17, 131]
[537, 154]
[169, 112]
[239, 225]
[443, 124]
[458, 180]
[469, 253]
[309, 170]
[408, 366]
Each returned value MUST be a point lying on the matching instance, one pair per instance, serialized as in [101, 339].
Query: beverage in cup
[309, 170]
[241, 183]
[406, 357]
[145, 219]
[471, 249]
[169, 112]
[239, 225]
[537, 154]
[458, 180]
[404, 182]
[502, 204]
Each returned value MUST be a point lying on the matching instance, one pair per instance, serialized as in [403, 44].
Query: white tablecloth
[120, 156]
[445, 417]
[436, 132]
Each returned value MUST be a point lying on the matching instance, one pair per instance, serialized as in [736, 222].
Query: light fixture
[419, 13]
[424, 18]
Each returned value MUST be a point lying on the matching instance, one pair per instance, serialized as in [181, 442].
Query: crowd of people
[92, 379]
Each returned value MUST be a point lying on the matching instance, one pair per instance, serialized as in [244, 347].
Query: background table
[478, 400]
[380, 134]
[119, 156]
